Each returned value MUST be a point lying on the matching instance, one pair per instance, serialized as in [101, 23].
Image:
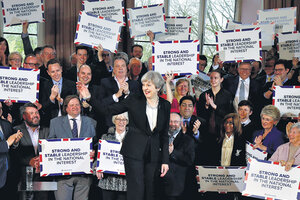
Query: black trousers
[142, 179]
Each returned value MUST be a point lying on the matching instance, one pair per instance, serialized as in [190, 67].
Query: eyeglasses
[33, 64]
[121, 120]
[278, 70]
[105, 54]
[16, 59]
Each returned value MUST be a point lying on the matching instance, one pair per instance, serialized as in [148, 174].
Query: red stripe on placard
[175, 41]
[144, 6]
[299, 186]
[176, 74]
[65, 139]
[100, 17]
[273, 101]
[217, 47]
[237, 30]
[152, 59]
[41, 160]
[42, 7]
[238, 61]
[13, 101]
[3, 12]
[80, 13]
[67, 173]
[164, 17]
[38, 86]
[269, 198]
[295, 21]
[82, 2]
[123, 11]
[77, 28]
[259, 44]
[246, 177]
[276, 163]
[14, 68]
[276, 9]
[128, 22]
[122, 173]
[190, 30]
[98, 155]
[216, 33]
[198, 57]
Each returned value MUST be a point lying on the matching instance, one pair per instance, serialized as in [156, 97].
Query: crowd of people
[163, 134]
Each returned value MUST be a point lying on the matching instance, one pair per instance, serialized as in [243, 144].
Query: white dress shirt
[247, 88]
[78, 121]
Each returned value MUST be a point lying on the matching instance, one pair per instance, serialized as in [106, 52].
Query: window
[217, 14]
[13, 36]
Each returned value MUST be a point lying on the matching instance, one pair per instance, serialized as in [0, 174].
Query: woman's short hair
[296, 125]
[176, 95]
[15, 53]
[271, 111]
[125, 114]
[155, 78]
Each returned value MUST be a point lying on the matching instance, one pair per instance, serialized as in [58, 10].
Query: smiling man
[72, 125]
[55, 90]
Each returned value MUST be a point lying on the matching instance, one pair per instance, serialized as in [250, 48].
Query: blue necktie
[2, 138]
[242, 91]
[75, 129]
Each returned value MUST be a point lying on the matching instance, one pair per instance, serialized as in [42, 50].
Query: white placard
[15, 12]
[287, 99]
[255, 153]
[179, 28]
[69, 156]
[108, 9]
[109, 159]
[19, 84]
[143, 19]
[267, 31]
[284, 18]
[289, 45]
[179, 57]
[267, 180]
[92, 31]
[239, 45]
[220, 179]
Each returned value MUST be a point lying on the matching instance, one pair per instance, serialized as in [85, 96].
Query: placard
[220, 179]
[239, 45]
[143, 19]
[108, 9]
[92, 31]
[67, 156]
[269, 180]
[285, 18]
[200, 83]
[289, 45]
[15, 12]
[179, 57]
[255, 153]
[178, 28]
[287, 99]
[109, 159]
[267, 31]
[19, 84]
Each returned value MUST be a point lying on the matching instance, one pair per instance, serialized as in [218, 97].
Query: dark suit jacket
[25, 149]
[27, 45]
[231, 84]
[238, 155]
[71, 74]
[51, 109]
[140, 142]
[109, 87]
[181, 158]
[7, 131]
[60, 127]
[100, 72]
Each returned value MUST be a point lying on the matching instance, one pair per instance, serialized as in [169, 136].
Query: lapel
[235, 84]
[178, 139]
[66, 126]
[26, 136]
[82, 128]
[143, 117]
[114, 85]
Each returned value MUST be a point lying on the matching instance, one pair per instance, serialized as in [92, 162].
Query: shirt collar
[245, 123]
[57, 82]
[29, 128]
[247, 80]
[120, 136]
[78, 118]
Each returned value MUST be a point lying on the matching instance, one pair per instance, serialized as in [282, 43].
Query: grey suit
[79, 185]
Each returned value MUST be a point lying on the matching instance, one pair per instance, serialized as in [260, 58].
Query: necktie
[242, 91]
[269, 79]
[186, 122]
[2, 138]
[74, 130]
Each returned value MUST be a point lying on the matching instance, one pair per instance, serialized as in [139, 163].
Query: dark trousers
[142, 179]
[113, 195]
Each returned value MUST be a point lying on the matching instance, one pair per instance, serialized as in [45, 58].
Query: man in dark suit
[280, 79]
[54, 91]
[182, 155]
[194, 128]
[48, 53]
[81, 57]
[242, 87]
[115, 89]
[8, 180]
[28, 154]
[72, 125]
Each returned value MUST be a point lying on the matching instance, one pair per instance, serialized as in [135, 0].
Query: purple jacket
[272, 141]
[282, 153]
